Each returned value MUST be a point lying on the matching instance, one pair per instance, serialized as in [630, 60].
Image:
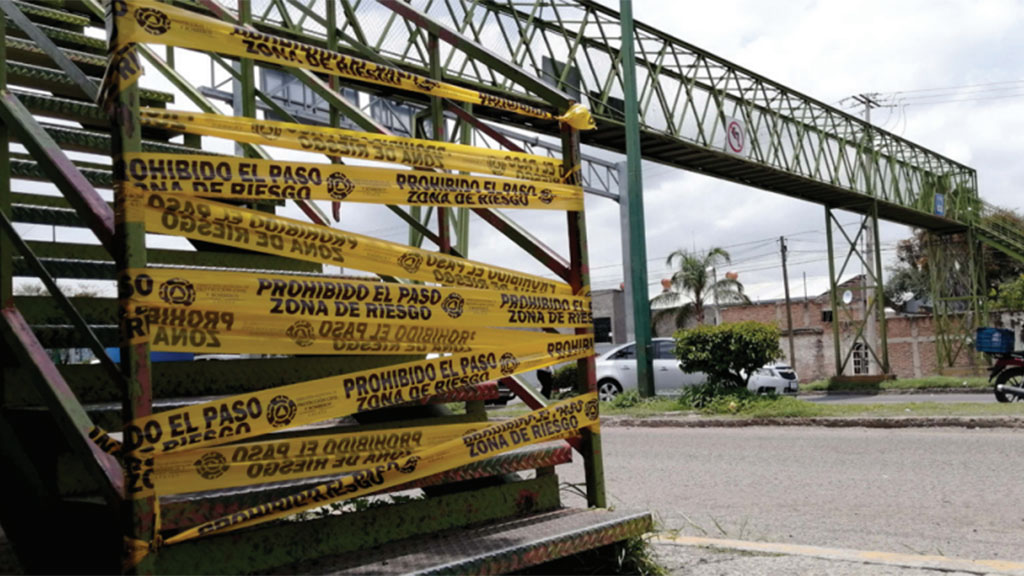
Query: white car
[616, 373]
[777, 378]
[616, 370]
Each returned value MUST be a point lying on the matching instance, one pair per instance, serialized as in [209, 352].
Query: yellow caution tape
[211, 221]
[360, 145]
[560, 420]
[152, 23]
[324, 297]
[176, 328]
[102, 438]
[247, 415]
[274, 460]
[249, 179]
[124, 68]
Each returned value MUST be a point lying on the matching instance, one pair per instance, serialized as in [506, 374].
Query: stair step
[51, 17]
[183, 510]
[30, 170]
[60, 84]
[182, 258]
[28, 52]
[195, 379]
[95, 142]
[76, 7]
[65, 38]
[79, 268]
[498, 548]
[277, 546]
[85, 113]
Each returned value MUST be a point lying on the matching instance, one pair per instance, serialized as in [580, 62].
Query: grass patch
[931, 382]
[631, 404]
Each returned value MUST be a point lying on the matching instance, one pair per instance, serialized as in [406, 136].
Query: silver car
[616, 370]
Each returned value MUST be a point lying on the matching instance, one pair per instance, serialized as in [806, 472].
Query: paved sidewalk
[719, 557]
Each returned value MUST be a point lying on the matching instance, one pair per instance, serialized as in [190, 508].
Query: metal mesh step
[185, 510]
[21, 50]
[495, 549]
[60, 84]
[65, 38]
[49, 16]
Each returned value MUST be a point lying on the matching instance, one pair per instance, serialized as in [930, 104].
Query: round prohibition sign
[735, 136]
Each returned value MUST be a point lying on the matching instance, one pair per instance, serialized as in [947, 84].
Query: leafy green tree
[1010, 295]
[729, 354]
[692, 281]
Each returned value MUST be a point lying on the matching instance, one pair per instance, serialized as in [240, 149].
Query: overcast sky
[828, 50]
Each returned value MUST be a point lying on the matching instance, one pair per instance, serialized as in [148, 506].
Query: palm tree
[691, 282]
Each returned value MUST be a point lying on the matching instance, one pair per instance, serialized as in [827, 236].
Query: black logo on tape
[411, 262]
[590, 409]
[302, 333]
[497, 166]
[152, 20]
[178, 291]
[119, 7]
[410, 465]
[453, 304]
[211, 465]
[509, 363]
[339, 186]
[268, 132]
[546, 196]
[425, 84]
[281, 411]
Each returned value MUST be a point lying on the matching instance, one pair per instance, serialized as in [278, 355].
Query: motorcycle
[1007, 374]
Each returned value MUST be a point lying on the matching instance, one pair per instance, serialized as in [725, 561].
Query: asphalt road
[981, 398]
[950, 492]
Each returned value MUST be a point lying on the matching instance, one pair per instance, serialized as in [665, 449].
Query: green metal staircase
[1001, 231]
[65, 509]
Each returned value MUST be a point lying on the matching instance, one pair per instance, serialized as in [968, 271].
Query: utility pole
[789, 311]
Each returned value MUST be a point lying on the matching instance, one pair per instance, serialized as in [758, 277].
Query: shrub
[627, 399]
[697, 397]
[565, 378]
[730, 353]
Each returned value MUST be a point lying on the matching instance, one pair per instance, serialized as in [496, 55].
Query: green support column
[438, 134]
[130, 246]
[637, 240]
[883, 332]
[462, 214]
[6, 249]
[579, 277]
[832, 290]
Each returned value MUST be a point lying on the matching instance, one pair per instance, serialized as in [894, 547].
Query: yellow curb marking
[868, 556]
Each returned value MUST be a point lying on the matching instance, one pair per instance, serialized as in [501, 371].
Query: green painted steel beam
[277, 546]
[481, 53]
[636, 229]
[6, 248]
